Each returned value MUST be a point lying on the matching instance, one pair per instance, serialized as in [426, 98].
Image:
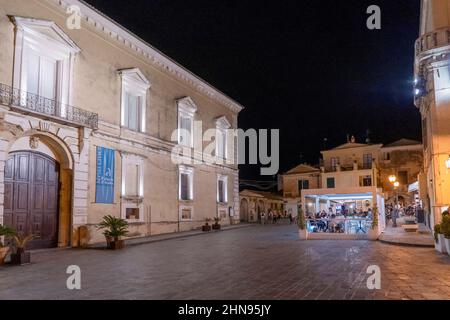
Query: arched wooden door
[31, 197]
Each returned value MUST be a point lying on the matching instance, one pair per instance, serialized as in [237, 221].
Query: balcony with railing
[433, 40]
[27, 102]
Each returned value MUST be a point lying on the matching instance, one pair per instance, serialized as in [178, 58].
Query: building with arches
[90, 116]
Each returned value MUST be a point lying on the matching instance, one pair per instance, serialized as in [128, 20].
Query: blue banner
[104, 190]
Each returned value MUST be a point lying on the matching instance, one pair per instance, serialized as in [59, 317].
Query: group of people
[331, 222]
[331, 215]
[273, 217]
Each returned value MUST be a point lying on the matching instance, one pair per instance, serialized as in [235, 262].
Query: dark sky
[309, 68]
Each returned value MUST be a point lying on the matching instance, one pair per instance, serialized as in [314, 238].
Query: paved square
[258, 262]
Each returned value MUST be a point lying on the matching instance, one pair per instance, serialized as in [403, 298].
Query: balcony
[432, 40]
[26, 102]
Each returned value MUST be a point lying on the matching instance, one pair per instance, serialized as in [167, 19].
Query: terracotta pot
[3, 253]
[303, 234]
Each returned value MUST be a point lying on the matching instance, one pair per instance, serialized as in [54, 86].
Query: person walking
[263, 218]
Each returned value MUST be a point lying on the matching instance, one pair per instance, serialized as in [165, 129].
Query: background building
[87, 122]
[432, 97]
[255, 202]
[353, 168]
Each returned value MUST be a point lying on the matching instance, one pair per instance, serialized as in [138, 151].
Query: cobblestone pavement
[260, 262]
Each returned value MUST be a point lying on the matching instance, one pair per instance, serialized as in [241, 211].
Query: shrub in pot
[114, 229]
[206, 227]
[373, 232]
[5, 231]
[301, 223]
[216, 225]
[439, 240]
[445, 229]
[21, 256]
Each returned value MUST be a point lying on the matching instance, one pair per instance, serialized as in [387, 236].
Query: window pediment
[187, 105]
[45, 32]
[223, 123]
[134, 78]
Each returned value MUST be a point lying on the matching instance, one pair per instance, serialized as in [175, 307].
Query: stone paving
[423, 237]
[259, 262]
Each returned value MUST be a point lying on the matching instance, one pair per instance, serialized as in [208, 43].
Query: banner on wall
[104, 190]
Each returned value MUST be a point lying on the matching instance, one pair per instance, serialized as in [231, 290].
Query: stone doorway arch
[42, 149]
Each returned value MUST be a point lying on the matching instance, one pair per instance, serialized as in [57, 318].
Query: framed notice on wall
[104, 186]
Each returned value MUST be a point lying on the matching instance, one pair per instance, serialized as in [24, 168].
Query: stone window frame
[132, 201]
[186, 108]
[134, 83]
[224, 179]
[54, 44]
[190, 172]
[222, 125]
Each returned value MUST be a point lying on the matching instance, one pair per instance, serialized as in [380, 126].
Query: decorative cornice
[104, 24]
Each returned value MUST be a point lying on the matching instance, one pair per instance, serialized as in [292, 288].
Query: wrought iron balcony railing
[33, 103]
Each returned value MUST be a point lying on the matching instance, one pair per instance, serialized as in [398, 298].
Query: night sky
[309, 68]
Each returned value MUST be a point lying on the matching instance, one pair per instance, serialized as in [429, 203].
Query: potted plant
[115, 228]
[439, 242]
[21, 257]
[5, 231]
[216, 225]
[206, 227]
[445, 229]
[301, 223]
[373, 232]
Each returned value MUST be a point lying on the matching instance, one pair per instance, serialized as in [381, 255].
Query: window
[366, 181]
[43, 63]
[134, 99]
[186, 111]
[221, 143]
[367, 161]
[186, 213]
[132, 187]
[186, 183]
[222, 189]
[41, 74]
[387, 156]
[334, 163]
[330, 183]
[222, 124]
[303, 184]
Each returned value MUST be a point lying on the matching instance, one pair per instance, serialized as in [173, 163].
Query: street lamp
[396, 184]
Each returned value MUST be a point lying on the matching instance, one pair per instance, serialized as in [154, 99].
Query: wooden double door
[31, 197]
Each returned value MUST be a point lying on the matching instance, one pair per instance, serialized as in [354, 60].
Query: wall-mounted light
[396, 184]
[392, 179]
[447, 163]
